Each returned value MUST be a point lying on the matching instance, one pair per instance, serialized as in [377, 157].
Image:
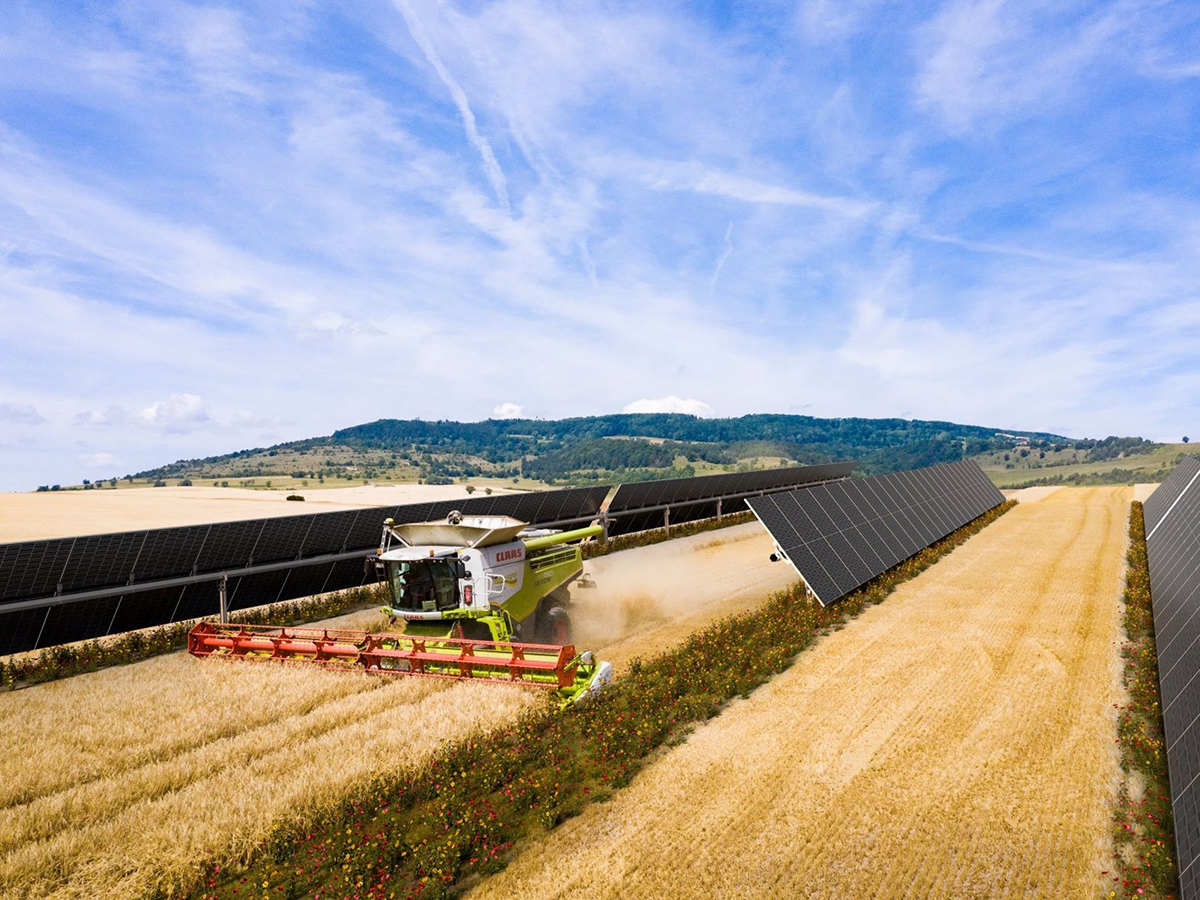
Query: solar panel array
[639, 506]
[36, 571]
[841, 535]
[1172, 516]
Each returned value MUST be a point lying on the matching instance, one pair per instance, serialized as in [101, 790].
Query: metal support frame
[221, 589]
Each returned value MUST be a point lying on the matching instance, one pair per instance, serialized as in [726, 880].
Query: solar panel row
[1172, 515]
[645, 520]
[672, 491]
[841, 535]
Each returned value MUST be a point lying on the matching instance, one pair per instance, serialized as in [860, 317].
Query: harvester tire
[554, 626]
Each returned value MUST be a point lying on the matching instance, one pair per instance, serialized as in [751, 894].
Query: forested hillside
[631, 447]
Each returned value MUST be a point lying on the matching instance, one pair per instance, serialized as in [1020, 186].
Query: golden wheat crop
[117, 781]
[954, 741]
[122, 780]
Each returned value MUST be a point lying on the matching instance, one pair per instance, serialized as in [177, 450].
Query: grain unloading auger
[482, 597]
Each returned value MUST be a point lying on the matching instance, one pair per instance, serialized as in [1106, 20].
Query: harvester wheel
[555, 626]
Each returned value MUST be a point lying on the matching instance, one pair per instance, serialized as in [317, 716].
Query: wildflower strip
[432, 831]
[88, 656]
[1143, 829]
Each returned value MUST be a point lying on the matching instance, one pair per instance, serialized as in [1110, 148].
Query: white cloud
[96, 460]
[177, 414]
[20, 414]
[671, 404]
[989, 58]
[508, 411]
[178, 410]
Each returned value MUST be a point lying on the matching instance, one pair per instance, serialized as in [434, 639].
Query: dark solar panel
[33, 568]
[841, 535]
[1168, 492]
[170, 552]
[1172, 515]
[20, 631]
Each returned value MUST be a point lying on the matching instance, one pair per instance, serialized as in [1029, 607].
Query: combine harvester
[482, 597]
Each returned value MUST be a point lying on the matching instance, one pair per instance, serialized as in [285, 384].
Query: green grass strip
[432, 831]
[1143, 829]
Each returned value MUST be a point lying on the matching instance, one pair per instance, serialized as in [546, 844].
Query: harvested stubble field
[955, 741]
[143, 772]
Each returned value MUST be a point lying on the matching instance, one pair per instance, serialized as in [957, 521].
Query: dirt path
[143, 771]
[652, 597]
[955, 741]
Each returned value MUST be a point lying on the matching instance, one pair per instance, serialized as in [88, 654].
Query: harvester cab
[481, 577]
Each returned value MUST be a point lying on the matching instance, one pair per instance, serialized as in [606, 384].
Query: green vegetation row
[88, 656]
[1093, 479]
[1143, 829]
[431, 831]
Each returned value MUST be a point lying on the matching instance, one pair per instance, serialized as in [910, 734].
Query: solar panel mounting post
[224, 599]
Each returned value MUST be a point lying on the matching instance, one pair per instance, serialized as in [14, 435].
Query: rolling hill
[598, 449]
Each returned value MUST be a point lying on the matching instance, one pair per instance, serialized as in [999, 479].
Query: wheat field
[167, 763]
[118, 781]
[955, 741]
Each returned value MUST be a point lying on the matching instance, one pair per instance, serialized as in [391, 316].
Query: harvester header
[571, 675]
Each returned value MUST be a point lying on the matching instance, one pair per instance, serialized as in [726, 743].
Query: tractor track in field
[956, 740]
[147, 770]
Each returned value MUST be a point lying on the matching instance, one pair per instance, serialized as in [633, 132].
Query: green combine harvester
[482, 577]
[482, 597]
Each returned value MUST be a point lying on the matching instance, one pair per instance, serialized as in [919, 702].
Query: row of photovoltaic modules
[640, 506]
[1172, 516]
[69, 589]
[841, 535]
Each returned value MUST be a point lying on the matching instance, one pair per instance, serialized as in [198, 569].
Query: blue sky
[225, 226]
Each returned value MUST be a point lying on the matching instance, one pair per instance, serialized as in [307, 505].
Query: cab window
[425, 585]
